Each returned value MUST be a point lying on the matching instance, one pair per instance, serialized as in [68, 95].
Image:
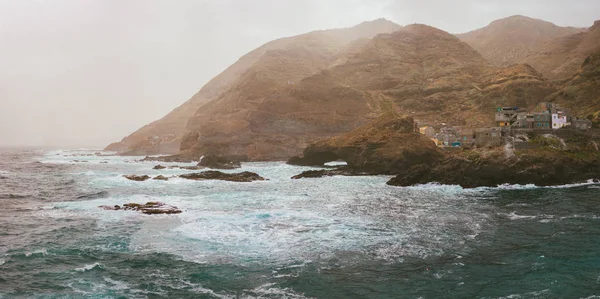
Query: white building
[559, 120]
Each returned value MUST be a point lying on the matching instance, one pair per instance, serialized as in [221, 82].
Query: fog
[84, 73]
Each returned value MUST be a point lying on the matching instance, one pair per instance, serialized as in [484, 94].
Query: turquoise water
[336, 237]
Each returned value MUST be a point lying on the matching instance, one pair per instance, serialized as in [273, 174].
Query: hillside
[508, 41]
[320, 47]
[581, 93]
[416, 71]
[560, 58]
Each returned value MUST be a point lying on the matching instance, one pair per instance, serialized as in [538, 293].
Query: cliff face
[384, 146]
[508, 41]
[170, 129]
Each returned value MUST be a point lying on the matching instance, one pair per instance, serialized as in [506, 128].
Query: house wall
[559, 121]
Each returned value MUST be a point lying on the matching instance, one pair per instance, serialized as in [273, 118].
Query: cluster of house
[550, 116]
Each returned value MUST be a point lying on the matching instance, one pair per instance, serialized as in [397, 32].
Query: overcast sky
[89, 72]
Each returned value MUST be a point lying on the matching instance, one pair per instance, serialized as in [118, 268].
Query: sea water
[333, 237]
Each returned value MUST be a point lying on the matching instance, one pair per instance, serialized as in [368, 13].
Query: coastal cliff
[389, 145]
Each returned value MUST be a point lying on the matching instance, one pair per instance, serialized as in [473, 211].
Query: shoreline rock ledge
[390, 146]
[149, 208]
[243, 177]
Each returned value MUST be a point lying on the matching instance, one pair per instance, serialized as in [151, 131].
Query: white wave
[269, 290]
[116, 285]
[457, 188]
[42, 251]
[533, 294]
[336, 163]
[544, 218]
[2, 261]
[88, 267]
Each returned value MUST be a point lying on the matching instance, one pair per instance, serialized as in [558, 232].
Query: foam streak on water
[335, 237]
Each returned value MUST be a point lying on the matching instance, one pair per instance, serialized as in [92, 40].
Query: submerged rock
[220, 162]
[158, 167]
[180, 158]
[137, 178]
[245, 176]
[161, 178]
[344, 171]
[101, 194]
[149, 208]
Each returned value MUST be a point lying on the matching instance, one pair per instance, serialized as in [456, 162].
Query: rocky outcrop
[137, 178]
[341, 171]
[220, 162]
[178, 158]
[386, 146]
[245, 176]
[474, 168]
[149, 208]
[161, 178]
[390, 146]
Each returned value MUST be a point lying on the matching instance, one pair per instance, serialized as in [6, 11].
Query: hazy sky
[89, 72]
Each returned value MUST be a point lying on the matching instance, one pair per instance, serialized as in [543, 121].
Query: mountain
[418, 71]
[580, 94]
[560, 58]
[508, 41]
[316, 51]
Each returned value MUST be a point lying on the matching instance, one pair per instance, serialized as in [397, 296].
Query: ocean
[334, 237]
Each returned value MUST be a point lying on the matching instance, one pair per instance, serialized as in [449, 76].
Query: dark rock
[137, 178]
[179, 158]
[104, 162]
[386, 146]
[471, 169]
[161, 178]
[245, 176]
[344, 171]
[111, 208]
[149, 208]
[596, 181]
[159, 167]
[219, 162]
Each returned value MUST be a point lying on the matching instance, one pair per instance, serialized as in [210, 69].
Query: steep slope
[507, 41]
[418, 70]
[581, 93]
[384, 146]
[560, 58]
[164, 135]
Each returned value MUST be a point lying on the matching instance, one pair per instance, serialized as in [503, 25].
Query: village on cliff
[512, 126]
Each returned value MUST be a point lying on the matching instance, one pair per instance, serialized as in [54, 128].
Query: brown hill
[508, 41]
[320, 47]
[581, 93]
[560, 58]
[386, 145]
[418, 70]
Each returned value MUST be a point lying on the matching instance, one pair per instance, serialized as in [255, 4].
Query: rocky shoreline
[390, 146]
